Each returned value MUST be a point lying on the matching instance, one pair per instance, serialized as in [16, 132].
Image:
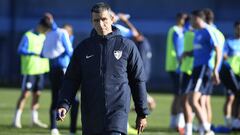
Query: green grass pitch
[158, 121]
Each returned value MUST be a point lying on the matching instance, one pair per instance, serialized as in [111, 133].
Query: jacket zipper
[102, 73]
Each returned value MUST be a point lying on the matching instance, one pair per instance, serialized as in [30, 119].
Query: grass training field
[158, 121]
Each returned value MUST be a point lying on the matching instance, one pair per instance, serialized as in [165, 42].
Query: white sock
[180, 120]
[173, 120]
[188, 129]
[18, 115]
[54, 131]
[34, 115]
[206, 126]
[209, 126]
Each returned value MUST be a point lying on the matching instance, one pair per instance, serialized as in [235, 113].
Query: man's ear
[111, 17]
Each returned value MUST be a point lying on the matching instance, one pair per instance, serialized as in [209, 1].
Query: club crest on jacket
[118, 54]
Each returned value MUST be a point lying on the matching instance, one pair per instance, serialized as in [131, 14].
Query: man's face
[102, 22]
[237, 31]
[181, 21]
[195, 21]
[42, 29]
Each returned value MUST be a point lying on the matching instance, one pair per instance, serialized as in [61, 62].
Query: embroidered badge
[118, 54]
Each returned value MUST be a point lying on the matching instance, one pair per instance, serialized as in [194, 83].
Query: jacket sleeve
[71, 83]
[137, 79]
[67, 43]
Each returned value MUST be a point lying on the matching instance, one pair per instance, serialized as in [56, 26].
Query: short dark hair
[199, 13]
[209, 15]
[181, 15]
[236, 23]
[45, 22]
[100, 7]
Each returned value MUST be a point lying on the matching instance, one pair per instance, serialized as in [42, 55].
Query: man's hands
[141, 124]
[61, 114]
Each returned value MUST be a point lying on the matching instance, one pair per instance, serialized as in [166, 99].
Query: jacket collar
[116, 32]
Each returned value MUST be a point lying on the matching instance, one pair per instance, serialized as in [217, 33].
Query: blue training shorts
[201, 77]
[185, 83]
[33, 82]
[229, 79]
[175, 79]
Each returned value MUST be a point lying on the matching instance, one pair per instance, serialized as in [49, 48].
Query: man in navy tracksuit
[58, 48]
[109, 68]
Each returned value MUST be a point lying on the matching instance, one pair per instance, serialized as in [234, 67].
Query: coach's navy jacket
[108, 69]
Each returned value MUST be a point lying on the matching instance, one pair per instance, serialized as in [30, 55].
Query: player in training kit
[205, 44]
[230, 74]
[206, 97]
[33, 68]
[185, 78]
[175, 44]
